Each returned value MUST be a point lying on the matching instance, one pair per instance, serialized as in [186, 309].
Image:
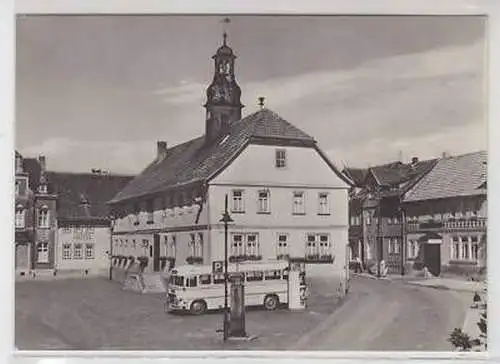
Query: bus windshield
[177, 281]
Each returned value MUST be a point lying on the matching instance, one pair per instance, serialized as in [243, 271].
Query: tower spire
[223, 95]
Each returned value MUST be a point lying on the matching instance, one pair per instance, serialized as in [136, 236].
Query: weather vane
[225, 21]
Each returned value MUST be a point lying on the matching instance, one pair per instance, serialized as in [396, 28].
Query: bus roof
[232, 267]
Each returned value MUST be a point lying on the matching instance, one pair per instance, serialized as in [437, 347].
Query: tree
[462, 341]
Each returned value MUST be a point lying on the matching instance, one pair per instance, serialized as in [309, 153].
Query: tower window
[43, 217]
[280, 158]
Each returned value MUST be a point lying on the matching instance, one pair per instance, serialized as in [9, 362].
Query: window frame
[264, 203]
[237, 204]
[298, 203]
[282, 246]
[66, 251]
[20, 217]
[280, 158]
[89, 247]
[78, 247]
[43, 218]
[323, 206]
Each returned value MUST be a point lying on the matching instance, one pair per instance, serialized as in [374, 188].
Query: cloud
[65, 154]
[420, 104]
[459, 140]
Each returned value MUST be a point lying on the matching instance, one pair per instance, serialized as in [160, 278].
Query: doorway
[156, 252]
[432, 258]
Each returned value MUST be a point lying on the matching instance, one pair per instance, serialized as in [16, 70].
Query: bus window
[177, 281]
[191, 282]
[272, 274]
[218, 278]
[205, 279]
[254, 276]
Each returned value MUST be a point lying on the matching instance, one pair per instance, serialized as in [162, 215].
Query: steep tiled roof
[463, 175]
[73, 188]
[357, 175]
[195, 160]
[398, 173]
[32, 168]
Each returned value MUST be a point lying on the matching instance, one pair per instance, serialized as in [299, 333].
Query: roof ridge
[109, 174]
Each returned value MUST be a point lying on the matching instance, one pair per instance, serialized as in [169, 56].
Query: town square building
[61, 219]
[286, 199]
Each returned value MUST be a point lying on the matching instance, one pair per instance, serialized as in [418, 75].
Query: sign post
[237, 318]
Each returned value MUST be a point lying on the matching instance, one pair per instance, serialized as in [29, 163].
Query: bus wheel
[271, 302]
[198, 307]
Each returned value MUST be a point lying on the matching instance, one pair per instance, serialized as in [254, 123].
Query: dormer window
[43, 217]
[280, 158]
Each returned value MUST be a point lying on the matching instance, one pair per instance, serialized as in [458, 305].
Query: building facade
[446, 213]
[62, 222]
[286, 199]
[377, 229]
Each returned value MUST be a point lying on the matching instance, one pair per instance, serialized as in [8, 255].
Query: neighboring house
[376, 220]
[35, 216]
[447, 215]
[72, 225]
[83, 223]
[286, 198]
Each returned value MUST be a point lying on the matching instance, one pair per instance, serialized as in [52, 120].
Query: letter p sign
[218, 266]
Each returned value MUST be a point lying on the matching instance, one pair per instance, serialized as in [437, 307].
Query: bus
[197, 289]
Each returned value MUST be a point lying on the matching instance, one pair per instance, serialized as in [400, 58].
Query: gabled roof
[196, 161]
[398, 173]
[356, 175]
[462, 175]
[73, 189]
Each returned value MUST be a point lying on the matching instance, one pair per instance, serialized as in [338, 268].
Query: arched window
[43, 217]
[20, 212]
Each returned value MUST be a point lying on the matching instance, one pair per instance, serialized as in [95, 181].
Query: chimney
[444, 155]
[42, 185]
[161, 150]
[41, 161]
[414, 160]
[19, 163]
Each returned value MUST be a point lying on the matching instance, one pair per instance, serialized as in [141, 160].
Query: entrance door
[156, 253]
[43, 252]
[432, 258]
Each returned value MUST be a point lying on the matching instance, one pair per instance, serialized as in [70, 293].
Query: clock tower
[223, 95]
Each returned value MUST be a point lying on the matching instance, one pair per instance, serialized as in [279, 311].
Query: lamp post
[403, 240]
[110, 253]
[380, 240]
[226, 219]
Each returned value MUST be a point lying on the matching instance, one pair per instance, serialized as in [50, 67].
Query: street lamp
[110, 251]
[379, 239]
[403, 240]
[226, 219]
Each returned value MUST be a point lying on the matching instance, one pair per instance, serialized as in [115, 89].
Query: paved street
[96, 314]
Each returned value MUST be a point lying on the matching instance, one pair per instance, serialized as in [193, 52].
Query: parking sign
[218, 266]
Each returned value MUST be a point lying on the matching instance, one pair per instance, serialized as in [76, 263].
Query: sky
[100, 91]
